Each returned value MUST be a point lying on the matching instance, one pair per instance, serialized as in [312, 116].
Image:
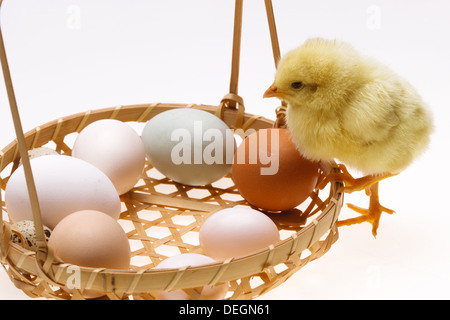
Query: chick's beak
[272, 92]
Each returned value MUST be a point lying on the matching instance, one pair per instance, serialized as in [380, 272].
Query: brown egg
[93, 239]
[270, 173]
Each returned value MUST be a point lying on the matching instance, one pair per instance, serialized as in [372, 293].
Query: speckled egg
[39, 152]
[24, 234]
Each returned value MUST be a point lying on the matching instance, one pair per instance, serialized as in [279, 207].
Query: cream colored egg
[64, 185]
[237, 232]
[115, 148]
[189, 146]
[91, 238]
[216, 292]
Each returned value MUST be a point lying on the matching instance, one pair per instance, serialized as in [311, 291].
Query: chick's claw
[343, 176]
[368, 183]
[368, 211]
[352, 184]
[371, 215]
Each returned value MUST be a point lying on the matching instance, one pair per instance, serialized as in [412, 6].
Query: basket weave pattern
[162, 218]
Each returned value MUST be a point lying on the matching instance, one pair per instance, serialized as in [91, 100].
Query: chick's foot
[371, 215]
[352, 184]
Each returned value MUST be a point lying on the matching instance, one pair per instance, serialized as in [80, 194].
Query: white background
[72, 56]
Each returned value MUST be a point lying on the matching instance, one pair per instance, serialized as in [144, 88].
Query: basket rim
[146, 280]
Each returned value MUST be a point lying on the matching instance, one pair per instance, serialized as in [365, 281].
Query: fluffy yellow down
[351, 108]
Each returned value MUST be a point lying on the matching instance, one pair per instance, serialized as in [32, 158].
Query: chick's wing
[371, 114]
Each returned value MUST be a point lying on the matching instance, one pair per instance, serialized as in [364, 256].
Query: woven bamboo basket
[162, 218]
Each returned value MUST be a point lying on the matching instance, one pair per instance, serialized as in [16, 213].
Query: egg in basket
[206, 202]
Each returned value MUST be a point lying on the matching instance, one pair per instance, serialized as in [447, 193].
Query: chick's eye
[297, 85]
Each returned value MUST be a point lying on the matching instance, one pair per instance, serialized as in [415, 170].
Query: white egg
[189, 146]
[115, 148]
[237, 232]
[64, 185]
[216, 292]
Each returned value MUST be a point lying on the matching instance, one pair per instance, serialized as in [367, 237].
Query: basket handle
[273, 31]
[236, 52]
[40, 236]
[280, 111]
[232, 99]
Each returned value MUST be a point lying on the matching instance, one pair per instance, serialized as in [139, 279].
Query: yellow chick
[346, 107]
